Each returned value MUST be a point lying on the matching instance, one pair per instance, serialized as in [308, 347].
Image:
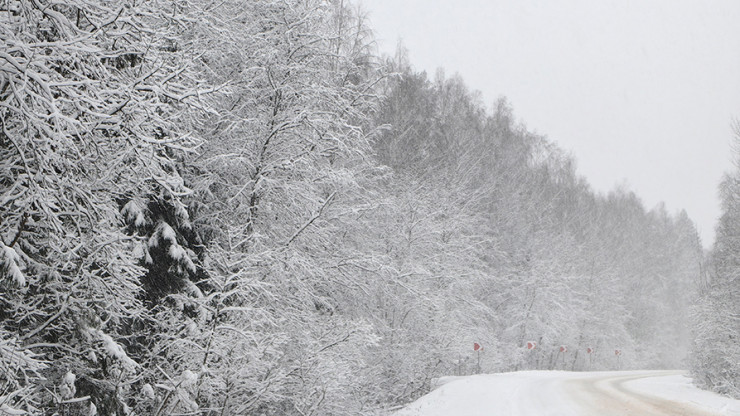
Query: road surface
[616, 395]
[560, 393]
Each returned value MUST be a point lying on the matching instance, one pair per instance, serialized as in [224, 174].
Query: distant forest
[238, 207]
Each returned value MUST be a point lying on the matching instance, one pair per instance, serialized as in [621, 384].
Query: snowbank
[561, 393]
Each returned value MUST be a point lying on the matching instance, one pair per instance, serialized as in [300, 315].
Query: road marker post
[478, 348]
[531, 356]
[563, 350]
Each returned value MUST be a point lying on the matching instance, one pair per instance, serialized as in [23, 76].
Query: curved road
[563, 393]
[612, 395]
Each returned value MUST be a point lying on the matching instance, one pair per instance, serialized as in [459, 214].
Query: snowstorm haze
[267, 208]
[642, 93]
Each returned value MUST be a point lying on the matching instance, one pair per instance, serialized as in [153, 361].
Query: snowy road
[619, 395]
[556, 393]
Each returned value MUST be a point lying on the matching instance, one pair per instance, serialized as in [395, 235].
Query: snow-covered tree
[95, 103]
[231, 208]
[716, 325]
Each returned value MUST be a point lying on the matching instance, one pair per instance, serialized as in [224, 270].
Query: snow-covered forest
[236, 207]
[716, 314]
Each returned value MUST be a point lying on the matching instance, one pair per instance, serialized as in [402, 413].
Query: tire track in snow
[610, 396]
[562, 393]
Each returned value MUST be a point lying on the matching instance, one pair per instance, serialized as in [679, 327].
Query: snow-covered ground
[554, 393]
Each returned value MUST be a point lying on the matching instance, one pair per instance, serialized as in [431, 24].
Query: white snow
[69, 378]
[188, 378]
[114, 349]
[133, 213]
[164, 232]
[138, 251]
[182, 214]
[148, 391]
[175, 251]
[9, 260]
[179, 254]
[679, 388]
[7, 410]
[67, 387]
[554, 393]
[494, 394]
[168, 234]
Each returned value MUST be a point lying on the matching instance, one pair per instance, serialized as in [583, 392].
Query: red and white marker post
[564, 350]
[531, 346]
[561, 350]
[478, 348]
[618, 353]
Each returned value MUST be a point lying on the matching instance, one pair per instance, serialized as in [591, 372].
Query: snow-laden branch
[313, 218]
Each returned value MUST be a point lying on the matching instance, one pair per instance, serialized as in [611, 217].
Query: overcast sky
[642, 92]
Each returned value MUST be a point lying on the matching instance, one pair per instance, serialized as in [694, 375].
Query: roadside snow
[679, 388]
[560, 393]
[522, 393]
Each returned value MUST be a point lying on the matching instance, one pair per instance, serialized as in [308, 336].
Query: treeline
[715, 360]
[238, 208]
[530, 252]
